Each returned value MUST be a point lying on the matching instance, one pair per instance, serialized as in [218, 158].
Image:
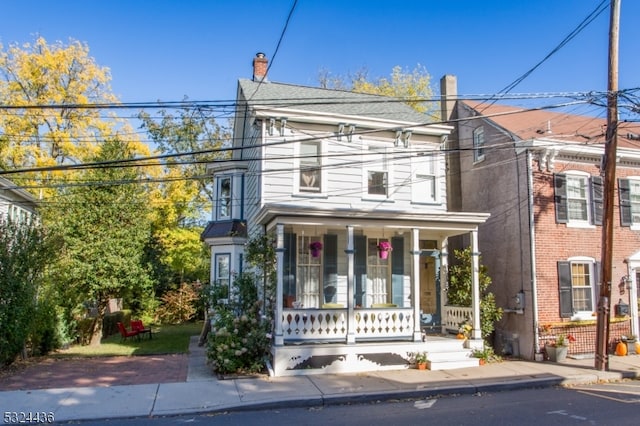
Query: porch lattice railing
[453, 316]
[332, 324]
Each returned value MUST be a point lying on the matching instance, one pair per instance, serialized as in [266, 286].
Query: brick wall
[554, 241]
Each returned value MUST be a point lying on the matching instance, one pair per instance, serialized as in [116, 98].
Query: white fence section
[331, 324]
[383, 323]
[314, 324]
[453, 316]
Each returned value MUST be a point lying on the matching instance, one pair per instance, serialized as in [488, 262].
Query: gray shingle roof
[315, 99]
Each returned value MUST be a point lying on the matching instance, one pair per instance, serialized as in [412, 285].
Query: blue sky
[165, 50]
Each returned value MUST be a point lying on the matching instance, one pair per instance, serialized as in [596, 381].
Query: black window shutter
[330, 268]
[360, 267]
[397, 271]
[560, 198]
[289, 266]
[624, 194]
[597, 201]
[565, 297]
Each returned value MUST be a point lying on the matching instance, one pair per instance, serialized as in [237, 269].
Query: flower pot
[631, 348]
[315, 253]
[422, 365]
[383, 254]
[557, 353]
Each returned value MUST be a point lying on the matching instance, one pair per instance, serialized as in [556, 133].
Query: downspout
[532, 255]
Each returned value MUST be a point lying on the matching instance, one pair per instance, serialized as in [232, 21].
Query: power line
[585, 22]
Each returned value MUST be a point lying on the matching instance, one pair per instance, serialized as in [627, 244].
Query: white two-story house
[16, 204]
[338, 178]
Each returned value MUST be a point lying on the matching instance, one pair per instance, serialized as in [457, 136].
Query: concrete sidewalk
[202, 392]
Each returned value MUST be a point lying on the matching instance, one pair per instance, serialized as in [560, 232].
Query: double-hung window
[577, 283]
[478, 144]
[310, 175]
[378, 274]
[578, 199]
[309, 272]
[377, 170]
[424, 179]
[224, 197]
[629, 194]
[223, 271]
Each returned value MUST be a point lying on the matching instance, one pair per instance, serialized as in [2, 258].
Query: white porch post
[279, 338]
[444, 282]
[415, 283]
[475, 285]
[633, 300]
[351, 323]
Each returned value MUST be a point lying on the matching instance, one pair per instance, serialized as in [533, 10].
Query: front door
[430, 317]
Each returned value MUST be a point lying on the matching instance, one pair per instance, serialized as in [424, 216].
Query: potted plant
[384, 247]
[420, 359]
[485, 355]
[557, 349]
[315, 248]
[464, 331]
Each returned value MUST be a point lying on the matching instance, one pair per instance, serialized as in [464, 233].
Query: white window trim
[219, 180]
[417, 168]
[634, 226]
[478, 158]
[217, 276]
[323, 172]
[572, 223]
[586, 315]
[387, 167]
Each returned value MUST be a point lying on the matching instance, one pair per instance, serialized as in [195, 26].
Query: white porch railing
[314, 324]
[384, 323]
[453, 316]
[332, 325]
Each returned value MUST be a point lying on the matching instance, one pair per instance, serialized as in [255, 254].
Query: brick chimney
[448, 96]
[260, 67]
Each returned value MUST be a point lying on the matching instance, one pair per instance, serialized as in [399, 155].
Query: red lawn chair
[125, 334]
[137, 325]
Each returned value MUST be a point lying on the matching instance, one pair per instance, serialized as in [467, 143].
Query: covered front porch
[346, 304]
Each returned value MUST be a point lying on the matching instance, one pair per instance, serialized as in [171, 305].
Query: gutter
[532, 256]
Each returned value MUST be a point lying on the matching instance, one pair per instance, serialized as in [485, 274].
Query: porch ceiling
[447, 224]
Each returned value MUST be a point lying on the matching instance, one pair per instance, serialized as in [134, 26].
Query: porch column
[444, 283]
[279, 338]
[633, 300]
[475, 285]
[415, 283]
[351, 323]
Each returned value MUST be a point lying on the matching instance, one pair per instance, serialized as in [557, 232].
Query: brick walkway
[99, 371]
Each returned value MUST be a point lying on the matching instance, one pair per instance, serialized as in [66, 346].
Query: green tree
[104, 226]
[459, 290]
[189, 139]
[412, 86]
[25, 250]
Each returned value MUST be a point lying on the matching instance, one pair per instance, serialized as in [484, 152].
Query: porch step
[448, 354]
[452, 364]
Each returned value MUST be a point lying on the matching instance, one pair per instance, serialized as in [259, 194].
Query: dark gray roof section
[229, 228]
[315, 99]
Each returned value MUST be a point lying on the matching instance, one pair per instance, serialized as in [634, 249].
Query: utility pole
[609, 170]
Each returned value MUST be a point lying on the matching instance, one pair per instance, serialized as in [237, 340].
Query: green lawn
[167, 339]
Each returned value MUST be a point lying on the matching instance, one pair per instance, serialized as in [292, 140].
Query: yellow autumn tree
[55, 100]
[412, 86]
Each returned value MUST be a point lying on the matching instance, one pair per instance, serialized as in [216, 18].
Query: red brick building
[538, 173]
